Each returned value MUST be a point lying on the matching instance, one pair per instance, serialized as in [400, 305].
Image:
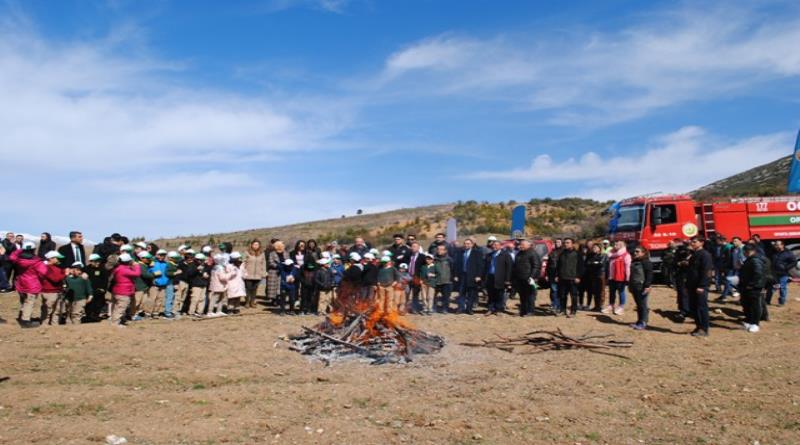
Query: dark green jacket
[78, 288]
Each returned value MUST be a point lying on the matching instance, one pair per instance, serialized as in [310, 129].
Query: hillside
[765, 180]
[546, 217]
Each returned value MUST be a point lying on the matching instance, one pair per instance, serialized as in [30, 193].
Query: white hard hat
[125, 258]
[235, 255]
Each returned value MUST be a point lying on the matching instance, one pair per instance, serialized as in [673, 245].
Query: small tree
[359, 212]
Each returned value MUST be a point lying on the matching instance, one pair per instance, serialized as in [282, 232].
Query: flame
[336, 318]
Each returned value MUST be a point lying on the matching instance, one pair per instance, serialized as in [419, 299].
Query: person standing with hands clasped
[79, 293]
[699, 273]
[752, 280]
[639, 284]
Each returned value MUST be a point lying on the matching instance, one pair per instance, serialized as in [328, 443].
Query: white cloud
[678, 162]
[83, 105]
[334, 6]
[605, 77]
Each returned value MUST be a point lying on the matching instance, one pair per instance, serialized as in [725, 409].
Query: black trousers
[527, 296]
[684, 306]
[752, 302]
[566, 287]
[307, 298]
[642, 309]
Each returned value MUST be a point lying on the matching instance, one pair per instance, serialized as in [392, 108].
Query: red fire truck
[653, 221]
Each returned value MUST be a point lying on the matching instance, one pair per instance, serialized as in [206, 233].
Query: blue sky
[162, 118]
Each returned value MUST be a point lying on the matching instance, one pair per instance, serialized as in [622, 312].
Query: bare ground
[233, 381]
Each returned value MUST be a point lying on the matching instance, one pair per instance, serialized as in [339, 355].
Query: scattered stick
[541, 341]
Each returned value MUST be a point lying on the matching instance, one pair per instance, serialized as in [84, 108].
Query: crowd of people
[126, 281]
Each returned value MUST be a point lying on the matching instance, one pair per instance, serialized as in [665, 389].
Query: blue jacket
[286, 272]
[161, 280]
[338, 273]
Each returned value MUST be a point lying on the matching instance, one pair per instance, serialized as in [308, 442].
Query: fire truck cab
[654, 221]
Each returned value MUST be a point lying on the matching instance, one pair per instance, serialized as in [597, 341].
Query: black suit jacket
[69, 255]
[503, 267]
[419, 263]
[474, 266]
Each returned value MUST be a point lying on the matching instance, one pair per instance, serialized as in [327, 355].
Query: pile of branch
[368, 336]
[541, 341]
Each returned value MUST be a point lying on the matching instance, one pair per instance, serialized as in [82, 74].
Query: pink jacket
[219, 278]
[236, 281]
[29, 273]
[619, 265]
[122, 276]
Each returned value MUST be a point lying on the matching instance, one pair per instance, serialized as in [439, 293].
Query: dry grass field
[233, 380]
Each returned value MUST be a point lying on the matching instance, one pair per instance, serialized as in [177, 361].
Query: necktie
[412, 265]
[78, 255]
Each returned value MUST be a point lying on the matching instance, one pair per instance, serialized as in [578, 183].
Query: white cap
[189, 252]
[53, 254]
[141, 244]
[126, 248]
[125, 258]
[288, 262]
[374, 251]
[355, 256]
[27, 245]
[605, 241]
[182, 247]
[207, 249]
[403, 266]
[173, 254]
[386, 259]
[326, 254]
[336, 256]
[369, 256]
[77, 264]
[428, 254]
[200, 256]
[95, 257]
[144, 254]
[387, 253]
[323, 261]
[161, 252]
[219, 258]
[492, 238]
[235, 255]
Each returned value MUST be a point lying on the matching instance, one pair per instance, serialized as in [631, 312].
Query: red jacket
[29, 270]
[53, 280]
[122, 279]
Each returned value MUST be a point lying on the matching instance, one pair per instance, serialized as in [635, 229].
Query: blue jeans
[169, 299]
[728, 289]
[783, 282]
[4, 284]
[555, 302]
[615, 287]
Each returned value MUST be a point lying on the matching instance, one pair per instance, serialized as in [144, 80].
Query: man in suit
[416, 259]
[497, 269]
[8, 267]
[468, 276]
[73, 251]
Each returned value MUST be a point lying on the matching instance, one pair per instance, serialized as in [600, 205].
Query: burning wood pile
[541, 341]
[361, 329]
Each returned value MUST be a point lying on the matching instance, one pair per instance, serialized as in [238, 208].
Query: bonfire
[359, 328]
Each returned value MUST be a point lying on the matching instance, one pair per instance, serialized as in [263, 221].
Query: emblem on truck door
[689, 230]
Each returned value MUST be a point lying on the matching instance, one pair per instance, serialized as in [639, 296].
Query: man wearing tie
[416, 260]
[73, 251]
[468, 277]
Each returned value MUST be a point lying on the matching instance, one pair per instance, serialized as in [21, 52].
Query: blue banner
[614, 210]
[794, 173]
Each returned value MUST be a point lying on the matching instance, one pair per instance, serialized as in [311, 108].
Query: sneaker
[136, 317]
[746, 326]
[641, 327]
[634, 325]
[699, 333]
[736, 294]
[619, 310]
[753, 328]
[607, 310]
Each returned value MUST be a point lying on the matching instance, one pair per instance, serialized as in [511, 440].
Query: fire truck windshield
[630, 218]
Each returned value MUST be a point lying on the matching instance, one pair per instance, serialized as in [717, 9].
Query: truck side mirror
[656, 216]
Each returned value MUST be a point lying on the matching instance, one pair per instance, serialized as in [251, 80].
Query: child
[369, 278]
[79, 293]
[428, 284]
[323, 281]
[217, 286]
[161, 281]
[388, 278]
[142, 282]
[289, 274]
[52, 288]
[123, 288]
[29, 270]
[98, 280]
[236, 286]
[173, 274]
[197, 275]
[337, 272]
